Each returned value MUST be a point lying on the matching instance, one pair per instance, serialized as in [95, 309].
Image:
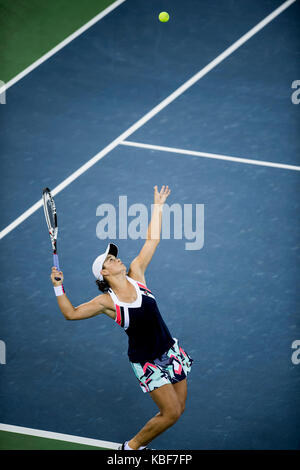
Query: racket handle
[56, 264]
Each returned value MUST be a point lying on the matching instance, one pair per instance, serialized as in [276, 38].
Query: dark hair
[103, 286]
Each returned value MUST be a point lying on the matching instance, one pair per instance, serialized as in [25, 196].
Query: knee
[173, 413]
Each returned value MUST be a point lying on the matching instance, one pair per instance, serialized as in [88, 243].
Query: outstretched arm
[139, 264]
[86, 310]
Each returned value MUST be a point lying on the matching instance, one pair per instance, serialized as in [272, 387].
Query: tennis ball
[163, 17]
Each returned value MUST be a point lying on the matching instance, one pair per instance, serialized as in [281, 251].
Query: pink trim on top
[144, 287]
[118, 317]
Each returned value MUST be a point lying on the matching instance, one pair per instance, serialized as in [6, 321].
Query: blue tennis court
[229, 141]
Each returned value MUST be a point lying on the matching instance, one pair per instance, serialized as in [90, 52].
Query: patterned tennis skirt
[170, 368]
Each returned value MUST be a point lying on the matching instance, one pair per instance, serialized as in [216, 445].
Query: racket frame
[53, 231]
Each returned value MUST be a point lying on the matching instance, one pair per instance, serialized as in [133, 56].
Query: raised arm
[139, 264]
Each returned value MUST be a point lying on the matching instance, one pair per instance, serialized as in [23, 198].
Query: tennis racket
[51, 219]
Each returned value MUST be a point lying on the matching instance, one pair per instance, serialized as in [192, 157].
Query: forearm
[154, 228]
[64, 303]
[65, 306]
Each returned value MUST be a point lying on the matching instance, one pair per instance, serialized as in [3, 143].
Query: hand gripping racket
[51, 219]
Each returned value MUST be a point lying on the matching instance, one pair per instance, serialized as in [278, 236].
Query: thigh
[165, 398]
[181, 391]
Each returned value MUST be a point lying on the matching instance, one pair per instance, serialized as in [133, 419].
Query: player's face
[113, 265]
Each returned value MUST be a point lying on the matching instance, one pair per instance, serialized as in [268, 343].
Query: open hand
[160, 197]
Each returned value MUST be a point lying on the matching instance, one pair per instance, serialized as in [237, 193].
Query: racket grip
[56, 264]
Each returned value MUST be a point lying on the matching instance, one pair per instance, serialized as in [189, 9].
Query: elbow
[69, 316]
[72, 314]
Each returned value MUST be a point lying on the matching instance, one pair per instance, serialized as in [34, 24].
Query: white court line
[211, 155]
[59, 437]
[163, 104]
[62, 44]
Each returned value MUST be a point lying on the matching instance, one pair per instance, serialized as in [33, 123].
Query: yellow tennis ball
[163, 17]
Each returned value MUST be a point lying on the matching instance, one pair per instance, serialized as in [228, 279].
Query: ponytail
[103, 286]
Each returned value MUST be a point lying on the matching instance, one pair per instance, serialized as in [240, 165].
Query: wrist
[59, 290]
[158, 205]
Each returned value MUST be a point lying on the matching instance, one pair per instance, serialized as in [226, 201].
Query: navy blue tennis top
[148, 335]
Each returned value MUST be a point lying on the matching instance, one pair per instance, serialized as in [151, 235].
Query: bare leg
[181, 392]
[170, 408]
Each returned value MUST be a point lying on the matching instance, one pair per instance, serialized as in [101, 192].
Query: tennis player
[157, 359]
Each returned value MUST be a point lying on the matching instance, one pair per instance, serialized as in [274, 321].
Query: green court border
[31, 28]
[16, 441]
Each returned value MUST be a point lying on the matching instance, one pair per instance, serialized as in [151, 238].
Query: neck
[118, 283]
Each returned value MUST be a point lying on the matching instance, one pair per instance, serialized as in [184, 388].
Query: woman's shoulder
[138, 279]
[105, 300]
[142, 285]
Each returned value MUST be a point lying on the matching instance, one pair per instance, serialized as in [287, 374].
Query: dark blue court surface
[234, 304]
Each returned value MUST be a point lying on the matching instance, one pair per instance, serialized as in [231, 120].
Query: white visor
[98, 263]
